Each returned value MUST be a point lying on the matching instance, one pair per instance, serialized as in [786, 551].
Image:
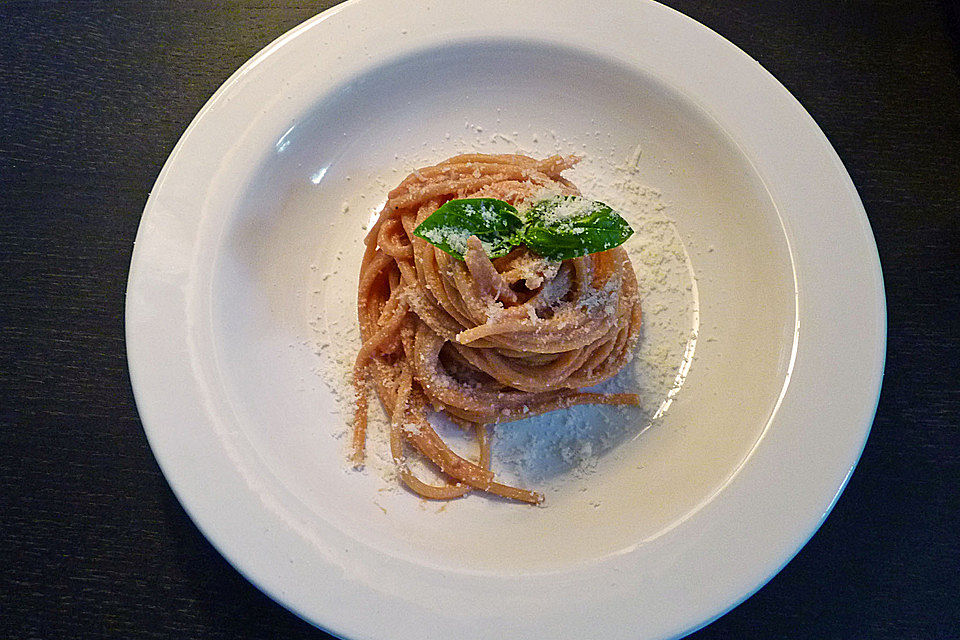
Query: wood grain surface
[93, 97]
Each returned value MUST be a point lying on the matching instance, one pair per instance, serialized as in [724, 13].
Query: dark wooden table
[93, 96]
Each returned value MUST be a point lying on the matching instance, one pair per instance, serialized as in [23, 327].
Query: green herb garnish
[565, 227]
[557, 228]
[493, 221]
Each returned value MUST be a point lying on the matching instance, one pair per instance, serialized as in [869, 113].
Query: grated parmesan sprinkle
[562, 448]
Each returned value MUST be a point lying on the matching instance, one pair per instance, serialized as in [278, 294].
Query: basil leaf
[564, 227]
[493, 221]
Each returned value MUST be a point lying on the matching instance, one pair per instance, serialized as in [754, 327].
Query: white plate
[686, 520]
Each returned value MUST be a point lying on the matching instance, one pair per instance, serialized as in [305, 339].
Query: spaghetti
[482, 341]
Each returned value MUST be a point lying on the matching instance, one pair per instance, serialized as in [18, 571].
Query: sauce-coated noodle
[483, 341]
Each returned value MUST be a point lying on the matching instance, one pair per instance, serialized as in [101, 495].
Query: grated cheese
[562, 448]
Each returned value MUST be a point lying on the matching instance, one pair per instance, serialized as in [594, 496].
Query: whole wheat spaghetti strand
[417, 485]
[483, 341]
